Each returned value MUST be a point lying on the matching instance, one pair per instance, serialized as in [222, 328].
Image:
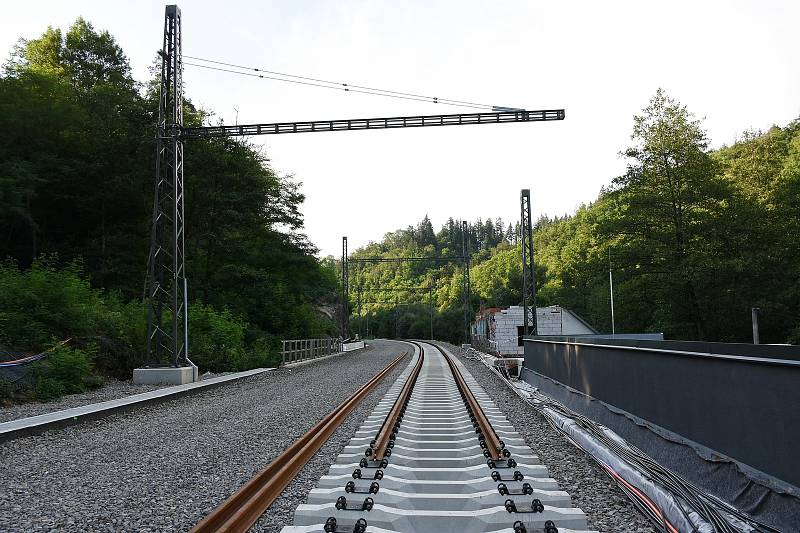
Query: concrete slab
[163, 375]
[350, 346]
[34, 425]
[443, 473]
[345, 526]
[464, 486]
[433, 501]
[474, 521]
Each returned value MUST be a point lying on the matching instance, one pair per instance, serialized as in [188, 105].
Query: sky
[735, 64]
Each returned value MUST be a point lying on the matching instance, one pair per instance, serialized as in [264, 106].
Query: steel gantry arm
[446, 259]
[456, 119]
[167, 323]
[397, 289]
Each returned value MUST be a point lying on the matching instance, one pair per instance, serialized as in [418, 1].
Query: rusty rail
[493, 443]
[378, 450]
[246, 505]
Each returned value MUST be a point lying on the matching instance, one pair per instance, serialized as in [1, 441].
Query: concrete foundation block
[350, 346]
[163, 375]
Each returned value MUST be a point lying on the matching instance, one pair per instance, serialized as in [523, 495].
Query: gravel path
[110, 391]
[162, 468]
[606, 506]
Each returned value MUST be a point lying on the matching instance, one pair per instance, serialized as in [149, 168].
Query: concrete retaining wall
[747, 408]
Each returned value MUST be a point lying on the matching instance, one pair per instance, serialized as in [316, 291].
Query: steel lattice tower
[529, 325]
[465, 283]
[345, 291]
[167, 327]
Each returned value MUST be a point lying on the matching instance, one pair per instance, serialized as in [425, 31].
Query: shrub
[65, 370]
[121, 337]
[49, 389]
[216, 338]
[7, 389]
[794, 336]
[261, 352]
[46, 303]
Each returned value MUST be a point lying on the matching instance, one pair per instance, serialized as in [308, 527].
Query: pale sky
[735, 63]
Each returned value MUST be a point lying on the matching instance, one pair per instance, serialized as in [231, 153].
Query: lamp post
[611, 290]
[754, 317]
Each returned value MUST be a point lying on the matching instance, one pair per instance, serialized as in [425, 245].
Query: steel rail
[493, 443]
[246, 505]
[378, 450]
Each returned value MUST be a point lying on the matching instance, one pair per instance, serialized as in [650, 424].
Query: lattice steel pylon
[167, 326]
[465, 288]
[167, 341]
[529, 322]
[345, 291]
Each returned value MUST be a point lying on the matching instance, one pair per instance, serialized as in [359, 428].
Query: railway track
[435, 455]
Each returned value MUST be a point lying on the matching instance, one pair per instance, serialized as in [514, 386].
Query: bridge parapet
[734, 404]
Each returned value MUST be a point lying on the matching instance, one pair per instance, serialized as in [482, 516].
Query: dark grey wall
[746, 409]
[770, 351]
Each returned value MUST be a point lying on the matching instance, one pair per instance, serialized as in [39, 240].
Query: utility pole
[360, 318]
[430, 303]
[465, 283]
[754, 317]
[168, 341]
[345, 291]
[611, 289]
[396, 317]
[529, 319]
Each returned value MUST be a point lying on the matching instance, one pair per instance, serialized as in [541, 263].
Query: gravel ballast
[281, 512]
[606, 506]
[163, 467]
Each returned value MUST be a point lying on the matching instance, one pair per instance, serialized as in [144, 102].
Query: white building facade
[501, 329]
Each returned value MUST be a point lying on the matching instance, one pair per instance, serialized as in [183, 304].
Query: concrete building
[500, 330]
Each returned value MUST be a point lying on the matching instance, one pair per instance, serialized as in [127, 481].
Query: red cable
[33, 357]
[647, 501]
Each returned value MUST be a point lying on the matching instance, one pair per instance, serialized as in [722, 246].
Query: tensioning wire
[327, 84]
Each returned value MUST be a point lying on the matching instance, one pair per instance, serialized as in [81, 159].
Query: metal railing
[297, 350]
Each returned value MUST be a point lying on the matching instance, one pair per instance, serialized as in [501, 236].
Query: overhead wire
[328, 84]
[311, 84]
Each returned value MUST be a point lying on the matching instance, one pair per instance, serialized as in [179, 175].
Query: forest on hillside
[694, 238]
[77, 162]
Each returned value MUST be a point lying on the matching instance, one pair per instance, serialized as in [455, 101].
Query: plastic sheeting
[716, 474]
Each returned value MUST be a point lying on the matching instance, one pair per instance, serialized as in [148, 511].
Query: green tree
[668, 206]
[76, 181]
